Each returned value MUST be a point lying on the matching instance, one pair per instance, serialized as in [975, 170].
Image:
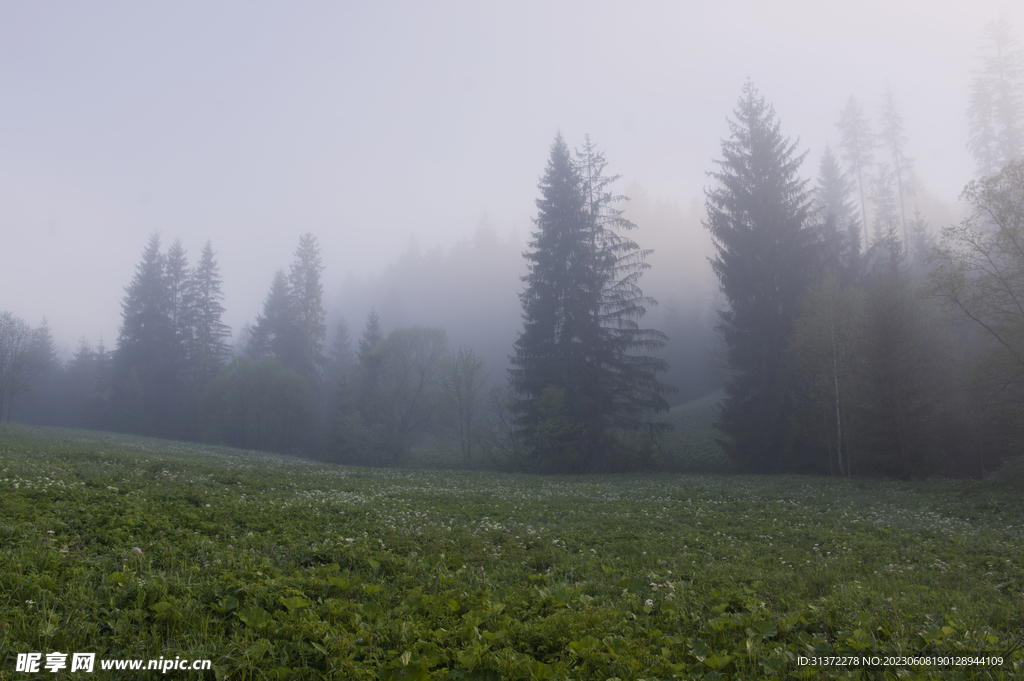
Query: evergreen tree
[839, 232]
[341, 353]
[996, 110]
[901, 382]
[556, 259]
[43, 350]
[144, 361]
[858, 145]
[883, 196]
[573, 367]
[209, 350]
[273, 333]
[98, 410]
[920, 241]
[87, 386]
[894, 139]
[624, 390]
[308, 314]
[372, 334]
[176, 272]
[758, 216]
[81, 384]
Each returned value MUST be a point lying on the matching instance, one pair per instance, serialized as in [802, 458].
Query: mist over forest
[825, 284]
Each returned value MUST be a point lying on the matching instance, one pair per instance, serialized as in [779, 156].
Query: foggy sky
[368, 124]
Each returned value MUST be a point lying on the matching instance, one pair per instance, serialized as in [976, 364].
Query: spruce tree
[179, 307]
[557, 258]
[176, 272]
[887, 217]
[839, 231]
[273, 333]
[858, 145]
[308, 315]
[372, 334]
[758, 216]
[574, 368]
[996, 110]
[625, 388]
[894, 140]
[209, 350]
[144, 369]
[341, 353]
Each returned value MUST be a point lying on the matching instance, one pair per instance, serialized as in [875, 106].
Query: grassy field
[281, 568]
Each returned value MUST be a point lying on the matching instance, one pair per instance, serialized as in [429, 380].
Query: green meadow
[281, 568]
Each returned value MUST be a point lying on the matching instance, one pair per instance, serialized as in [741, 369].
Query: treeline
[171, 344]
[850, 340]
[281, 388]
[901, 360]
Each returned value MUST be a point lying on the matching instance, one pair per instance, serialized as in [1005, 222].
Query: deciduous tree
[826, 344]
[15, 339]
[979, 274]
[464, 380]
[403, 397]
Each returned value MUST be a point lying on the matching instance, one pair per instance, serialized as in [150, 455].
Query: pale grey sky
[250, 123]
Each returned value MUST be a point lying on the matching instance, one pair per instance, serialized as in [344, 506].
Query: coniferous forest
[850, 336]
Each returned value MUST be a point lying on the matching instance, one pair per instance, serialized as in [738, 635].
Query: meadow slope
[275, 567]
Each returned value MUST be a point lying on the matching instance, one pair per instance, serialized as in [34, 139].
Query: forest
[849, 336]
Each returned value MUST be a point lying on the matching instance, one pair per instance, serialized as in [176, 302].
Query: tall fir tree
[208, 350]
[179, 306]
[341, 359]
[176, 272]
[858, 144]
[920, 242]
[273, 333]
[625, 389]
[308, 315]
[144, 370]
[573, 367]
[372, 334]
[556, 257]
[758, 215]
[996, 109]
[839, 229]
[886, 219]
[82, 389]
[894, 141]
